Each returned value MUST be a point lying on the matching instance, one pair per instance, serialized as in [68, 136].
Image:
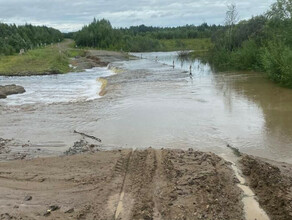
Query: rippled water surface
[70, 87]
[153, 104]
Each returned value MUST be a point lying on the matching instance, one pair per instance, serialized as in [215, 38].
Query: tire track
[136, 197]
[122, 166]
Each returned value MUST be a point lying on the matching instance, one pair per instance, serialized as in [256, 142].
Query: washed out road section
[155, 184]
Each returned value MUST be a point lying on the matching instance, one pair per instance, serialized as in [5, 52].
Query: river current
[152, 103]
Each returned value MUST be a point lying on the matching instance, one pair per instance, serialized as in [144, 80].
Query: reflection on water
[275, 104]
[211, 109]
[172, 59]
[153, 104]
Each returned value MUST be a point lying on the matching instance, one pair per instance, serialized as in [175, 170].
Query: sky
[72, 15]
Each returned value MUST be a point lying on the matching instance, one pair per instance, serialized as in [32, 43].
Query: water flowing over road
[48, 89]
[150, 103]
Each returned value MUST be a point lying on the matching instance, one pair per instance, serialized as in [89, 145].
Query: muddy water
[72, 87]
[153, 104]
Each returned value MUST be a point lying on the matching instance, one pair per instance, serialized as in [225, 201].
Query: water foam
[71, 87]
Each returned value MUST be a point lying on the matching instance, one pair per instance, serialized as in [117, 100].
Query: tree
[13, 38]
[230, 21]
[282, 9]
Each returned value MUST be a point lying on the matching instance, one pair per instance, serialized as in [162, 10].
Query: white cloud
[71, 15]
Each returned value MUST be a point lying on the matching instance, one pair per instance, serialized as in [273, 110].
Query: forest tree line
[101, 34]
[13, 38]
[262, 43]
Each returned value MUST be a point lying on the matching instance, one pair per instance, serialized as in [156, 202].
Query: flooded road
[60, 88]
[153, 104]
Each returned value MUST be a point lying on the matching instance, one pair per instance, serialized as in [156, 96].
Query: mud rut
[122, 185]
[173, 185]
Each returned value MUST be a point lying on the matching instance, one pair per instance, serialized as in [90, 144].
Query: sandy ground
[140, 184]
[125, 184]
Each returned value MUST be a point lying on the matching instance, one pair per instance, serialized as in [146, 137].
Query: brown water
[152, 104]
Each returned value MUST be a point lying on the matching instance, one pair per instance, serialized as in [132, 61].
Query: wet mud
[125, 184]
[272, 183]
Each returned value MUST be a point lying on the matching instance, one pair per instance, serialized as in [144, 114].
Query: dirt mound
[272, 184]
[198, 186]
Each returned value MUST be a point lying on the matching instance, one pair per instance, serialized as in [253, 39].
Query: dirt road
[144, 184]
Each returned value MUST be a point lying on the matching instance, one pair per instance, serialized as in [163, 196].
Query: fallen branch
[89, 136]
[234, 150]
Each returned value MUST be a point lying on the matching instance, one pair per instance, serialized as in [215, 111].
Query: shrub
[246, 57]
[276, 59]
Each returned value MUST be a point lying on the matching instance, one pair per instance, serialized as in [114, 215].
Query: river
[153, 104]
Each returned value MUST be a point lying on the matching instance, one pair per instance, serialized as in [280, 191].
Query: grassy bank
[48, 60]
[39, 61]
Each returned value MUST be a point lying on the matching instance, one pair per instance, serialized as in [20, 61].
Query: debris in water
[234, 150]
[27, 198]
[89, 136]
[82, 146]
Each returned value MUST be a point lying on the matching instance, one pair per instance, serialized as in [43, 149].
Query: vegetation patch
[15, 39]
[100, 34]
[47, 60]
[197, 44]
[75, 53]
[262, 43]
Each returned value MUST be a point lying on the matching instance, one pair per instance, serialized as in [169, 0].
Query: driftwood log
[86, 135]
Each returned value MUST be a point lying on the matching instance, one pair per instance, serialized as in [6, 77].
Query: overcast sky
[71, 15]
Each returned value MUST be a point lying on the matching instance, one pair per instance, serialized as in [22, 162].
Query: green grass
[36, 61]
[186, 44]
[52, 59]
[201, 54]
[75, 53]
